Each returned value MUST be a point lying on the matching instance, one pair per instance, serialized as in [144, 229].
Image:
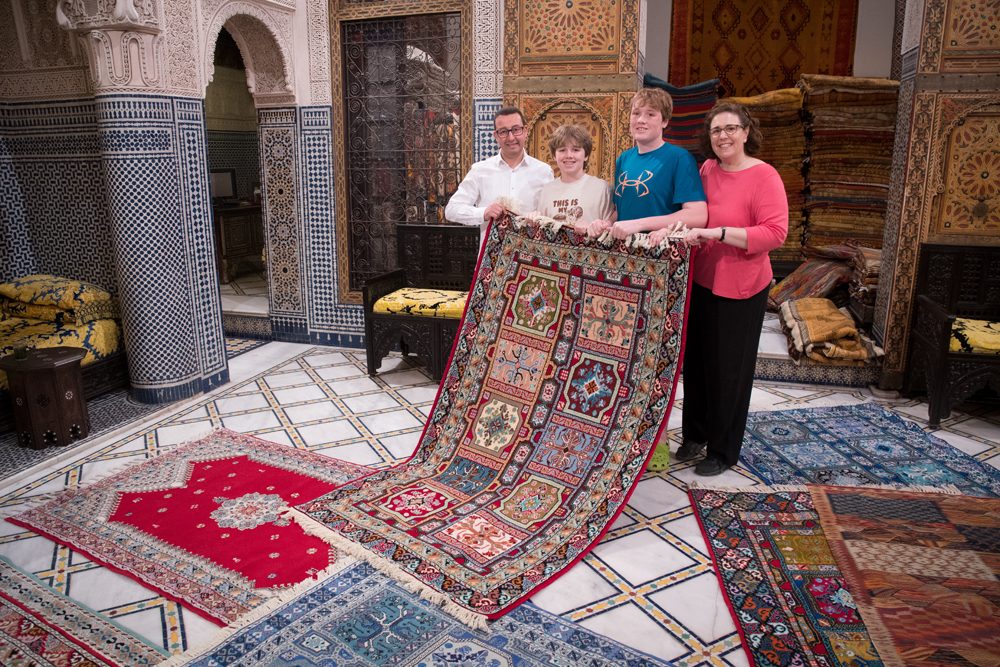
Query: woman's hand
[696, 236]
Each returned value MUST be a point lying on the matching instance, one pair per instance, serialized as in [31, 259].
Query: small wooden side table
[46, 390]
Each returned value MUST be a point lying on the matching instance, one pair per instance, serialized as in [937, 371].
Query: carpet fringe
[947, 489]
[400, 576]
[760, 488]
[637, 240]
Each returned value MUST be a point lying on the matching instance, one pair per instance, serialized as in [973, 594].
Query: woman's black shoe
[690, 450]
[710, 468]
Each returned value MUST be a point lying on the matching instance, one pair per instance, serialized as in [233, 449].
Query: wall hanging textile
[361, 617]
[39, 626]
[923, 569]
[787, 596]
[857, 445]
[754, 46]
[202, 523]
[562, 374]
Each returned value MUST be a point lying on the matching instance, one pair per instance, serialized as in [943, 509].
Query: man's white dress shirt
[492, 178]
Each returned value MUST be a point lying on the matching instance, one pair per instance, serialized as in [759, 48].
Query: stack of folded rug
[863, 287]
[817, 330]
[784, 148]
[851, 125]
[823, 271]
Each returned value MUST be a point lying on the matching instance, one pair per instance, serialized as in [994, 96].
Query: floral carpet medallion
[857, 445]
[787, 595]
[360, 617]
[41, 627]
[924, 569]
[563, 372]
[202, 523]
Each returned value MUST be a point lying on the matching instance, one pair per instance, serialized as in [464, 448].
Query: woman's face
[728, 137]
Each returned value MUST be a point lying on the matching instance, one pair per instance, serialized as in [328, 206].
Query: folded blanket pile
[817, 330]
[851, 123]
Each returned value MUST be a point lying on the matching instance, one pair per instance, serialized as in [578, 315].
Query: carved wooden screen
[402, 92]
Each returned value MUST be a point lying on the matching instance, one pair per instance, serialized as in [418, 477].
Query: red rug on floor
[561, 379]
[202, 524]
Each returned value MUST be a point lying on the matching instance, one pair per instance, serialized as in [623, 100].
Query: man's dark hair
[509, 111]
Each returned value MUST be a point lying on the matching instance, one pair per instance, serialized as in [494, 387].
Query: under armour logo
[641, 189]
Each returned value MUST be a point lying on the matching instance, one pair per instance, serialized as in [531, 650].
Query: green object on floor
[660, 460]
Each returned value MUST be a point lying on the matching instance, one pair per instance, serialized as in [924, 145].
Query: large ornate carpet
[754, 46]
[202, 523]
[361, 617]
[783, 586]
[924, 570]
[40, 627]
[857, 445]
[562, 374]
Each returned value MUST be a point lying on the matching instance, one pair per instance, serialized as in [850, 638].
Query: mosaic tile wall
[153, 151]
[239, 151]
[16, 254]
[54, 208]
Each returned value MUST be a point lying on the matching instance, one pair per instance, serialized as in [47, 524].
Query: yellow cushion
[975, 336]
[47, 290]
[82, 314]
[425, 302]
[99, 338]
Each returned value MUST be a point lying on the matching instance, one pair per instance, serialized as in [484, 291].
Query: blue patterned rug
[361, 617]
[857, 445]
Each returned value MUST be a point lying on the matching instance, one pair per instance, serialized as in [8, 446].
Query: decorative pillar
[945, 159]
[579, 63]
[153, 152]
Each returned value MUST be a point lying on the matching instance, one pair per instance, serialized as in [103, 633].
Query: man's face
[510, 133]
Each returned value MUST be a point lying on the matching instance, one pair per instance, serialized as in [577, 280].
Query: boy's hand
[623, 229]
[656, 237]
[592, 229]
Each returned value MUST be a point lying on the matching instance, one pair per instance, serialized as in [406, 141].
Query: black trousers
[719, 360]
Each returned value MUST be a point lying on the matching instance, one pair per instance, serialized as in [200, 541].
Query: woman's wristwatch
[722, 238]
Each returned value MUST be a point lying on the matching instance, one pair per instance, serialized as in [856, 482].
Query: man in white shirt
[513, 174]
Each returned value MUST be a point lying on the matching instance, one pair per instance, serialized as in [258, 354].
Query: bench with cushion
[955, 337]
[417, 307]
[40, 311]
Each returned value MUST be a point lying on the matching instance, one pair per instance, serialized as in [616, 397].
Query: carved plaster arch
[266, 56]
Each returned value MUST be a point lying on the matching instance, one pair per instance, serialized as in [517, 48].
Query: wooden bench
[953, 281]
[440, 257]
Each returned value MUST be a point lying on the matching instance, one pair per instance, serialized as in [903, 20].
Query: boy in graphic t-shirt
[575, 197]
[657, 187]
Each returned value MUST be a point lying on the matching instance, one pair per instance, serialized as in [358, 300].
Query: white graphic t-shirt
[585, 200]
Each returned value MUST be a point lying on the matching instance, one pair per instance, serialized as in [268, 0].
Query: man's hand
[493, 211]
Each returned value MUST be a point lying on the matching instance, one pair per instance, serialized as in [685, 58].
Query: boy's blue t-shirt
[655, 183]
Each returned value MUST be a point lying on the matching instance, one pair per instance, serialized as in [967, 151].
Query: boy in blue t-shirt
[656, 184]
[657, 189]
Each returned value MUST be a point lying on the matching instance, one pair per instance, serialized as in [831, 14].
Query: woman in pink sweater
[747, 217]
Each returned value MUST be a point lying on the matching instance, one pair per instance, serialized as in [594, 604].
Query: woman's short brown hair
[655, 98]
[576, 134]
[754, 136]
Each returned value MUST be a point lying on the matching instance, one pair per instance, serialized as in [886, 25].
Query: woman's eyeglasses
[515, 131]
[730, 130]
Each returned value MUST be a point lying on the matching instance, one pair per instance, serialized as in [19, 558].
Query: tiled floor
[245, 294]
[648, 584]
